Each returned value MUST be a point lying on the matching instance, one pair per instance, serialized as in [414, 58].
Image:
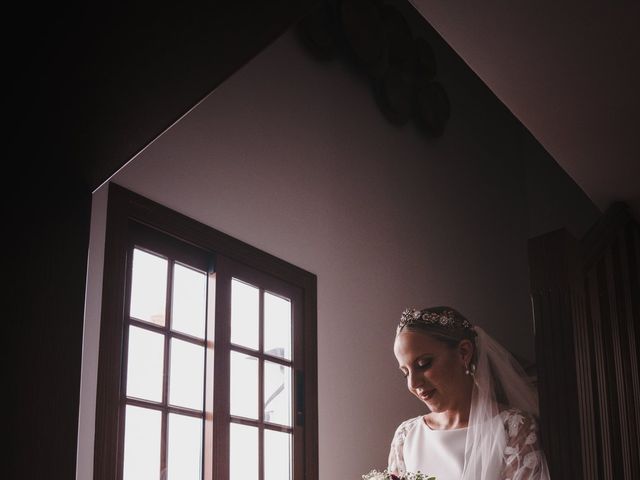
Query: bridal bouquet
[384, 475]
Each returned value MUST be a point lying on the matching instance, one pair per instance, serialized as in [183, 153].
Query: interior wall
[554, 199]
[293, 157]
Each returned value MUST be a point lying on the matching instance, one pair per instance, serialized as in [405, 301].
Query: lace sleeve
[523, 457]
[396, 456]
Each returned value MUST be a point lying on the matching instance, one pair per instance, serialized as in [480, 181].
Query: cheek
[427, 377]
[434, 379]
[439, 376]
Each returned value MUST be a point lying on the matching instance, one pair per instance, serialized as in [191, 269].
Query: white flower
[511, 450]
[378, 476]
[511, 453]
[375, 475]
[514, 424]
[530, 460]
[531, 439]
[385, 475]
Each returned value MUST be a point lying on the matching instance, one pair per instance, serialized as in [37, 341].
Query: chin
[436, 405]
[432, 406]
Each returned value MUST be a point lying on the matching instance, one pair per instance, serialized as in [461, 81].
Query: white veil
[499, 381]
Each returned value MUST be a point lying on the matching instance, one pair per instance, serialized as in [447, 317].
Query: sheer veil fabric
[503, 419]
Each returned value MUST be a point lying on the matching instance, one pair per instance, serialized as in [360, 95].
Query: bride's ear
[465, 349]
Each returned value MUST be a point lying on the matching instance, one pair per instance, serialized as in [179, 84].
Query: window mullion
[166, 377]
[261, 386]
[222, 352]
[299, 368]
[209, 430]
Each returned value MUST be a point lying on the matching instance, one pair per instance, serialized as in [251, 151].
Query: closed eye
[424, 364]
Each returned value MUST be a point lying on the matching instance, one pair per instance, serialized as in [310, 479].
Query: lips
[428, 395]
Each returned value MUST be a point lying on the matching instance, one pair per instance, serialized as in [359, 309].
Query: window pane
[277, 326]
[189, 301]
[244, 314]
[277, 393]
[186, 386]
[145, 364]
[277, 455]
[184, 460]
[244, 385]
[141, 444]
[243, 461]
[148, 287]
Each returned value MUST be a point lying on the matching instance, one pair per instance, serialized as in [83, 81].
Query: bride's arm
[524, 459]
[395, 464]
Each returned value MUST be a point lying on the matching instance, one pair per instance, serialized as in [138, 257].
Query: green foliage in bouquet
[385, 475]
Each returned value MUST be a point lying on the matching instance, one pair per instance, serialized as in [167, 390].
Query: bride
[482, 415]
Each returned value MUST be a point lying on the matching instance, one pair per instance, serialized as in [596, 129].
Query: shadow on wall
[399, 66]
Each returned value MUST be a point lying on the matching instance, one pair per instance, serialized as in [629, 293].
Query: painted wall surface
[292, 156]
[580, 103]
[554, 200]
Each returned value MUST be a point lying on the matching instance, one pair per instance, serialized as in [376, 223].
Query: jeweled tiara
[444, 319]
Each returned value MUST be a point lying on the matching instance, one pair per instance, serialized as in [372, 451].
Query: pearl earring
[470, 369]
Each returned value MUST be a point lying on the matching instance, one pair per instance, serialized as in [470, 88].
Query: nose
[414, 381]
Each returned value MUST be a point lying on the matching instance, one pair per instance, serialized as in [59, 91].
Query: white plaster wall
[292, 156]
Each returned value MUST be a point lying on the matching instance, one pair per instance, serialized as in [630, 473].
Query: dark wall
[89, 87]
[554, 200]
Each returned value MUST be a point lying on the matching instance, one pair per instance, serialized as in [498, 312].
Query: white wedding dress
[416, 447]
[434, 452]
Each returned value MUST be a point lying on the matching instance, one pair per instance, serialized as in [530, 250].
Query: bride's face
[434, 370]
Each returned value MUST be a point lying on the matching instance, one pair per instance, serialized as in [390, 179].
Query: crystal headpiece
[444, 319]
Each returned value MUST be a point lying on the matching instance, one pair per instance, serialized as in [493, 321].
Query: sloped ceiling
[103, 83]
[569, 71]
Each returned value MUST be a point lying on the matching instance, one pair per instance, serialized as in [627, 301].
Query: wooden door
[585, 296]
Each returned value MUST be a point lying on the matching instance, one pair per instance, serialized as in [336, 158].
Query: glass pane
[277, 326]
[141, 444]
[244, 314]
[184, 461]
[186, 375]
[189, 301]
[277, 393]
[145, 363]
[244, 385]
[277, 455]
[243, 461]
[148, 287]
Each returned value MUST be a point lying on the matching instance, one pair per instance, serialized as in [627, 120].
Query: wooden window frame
[226, 269]
[145, 239]
[125, 212]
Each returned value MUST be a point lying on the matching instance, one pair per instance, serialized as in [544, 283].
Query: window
[207, 354]
[164, 374]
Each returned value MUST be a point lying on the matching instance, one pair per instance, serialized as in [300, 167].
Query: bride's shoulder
[506, 412]
[408, 425]
[516, 420]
